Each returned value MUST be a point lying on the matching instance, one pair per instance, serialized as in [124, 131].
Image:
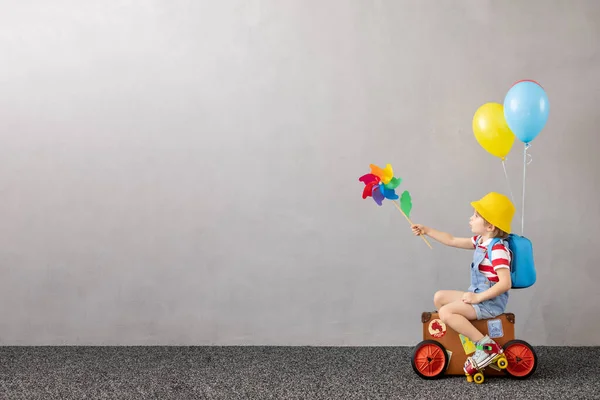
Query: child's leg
[458, 315]
[443, 297]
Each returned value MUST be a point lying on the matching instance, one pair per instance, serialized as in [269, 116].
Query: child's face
[478, 224]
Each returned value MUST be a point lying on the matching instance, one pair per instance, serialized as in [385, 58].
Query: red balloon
[527, 80]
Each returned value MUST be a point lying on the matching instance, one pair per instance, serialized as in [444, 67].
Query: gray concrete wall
[185, 172]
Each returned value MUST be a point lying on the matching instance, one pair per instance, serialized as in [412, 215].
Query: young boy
[487, 295]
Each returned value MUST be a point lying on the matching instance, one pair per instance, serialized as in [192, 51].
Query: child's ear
[490, 228]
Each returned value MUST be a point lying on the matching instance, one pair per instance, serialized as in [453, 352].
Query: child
[490, 276]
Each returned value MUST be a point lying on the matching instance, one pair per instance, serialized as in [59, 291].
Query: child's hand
[419, 230]
[471, 298]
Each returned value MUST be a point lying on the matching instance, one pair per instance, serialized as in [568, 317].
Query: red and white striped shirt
[500, 259]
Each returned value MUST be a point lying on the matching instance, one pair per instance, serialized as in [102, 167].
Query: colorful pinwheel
[381, 184]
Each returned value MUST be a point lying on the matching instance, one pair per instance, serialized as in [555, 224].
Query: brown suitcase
[428, 362]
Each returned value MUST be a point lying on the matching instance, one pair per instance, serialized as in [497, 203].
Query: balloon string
[508, 181]
[525, 163]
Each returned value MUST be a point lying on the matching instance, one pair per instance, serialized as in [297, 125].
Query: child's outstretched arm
[443, 237]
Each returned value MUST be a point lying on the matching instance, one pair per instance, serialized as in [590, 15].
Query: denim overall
[479, 283]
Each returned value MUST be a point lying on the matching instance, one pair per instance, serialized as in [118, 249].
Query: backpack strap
[491, 245]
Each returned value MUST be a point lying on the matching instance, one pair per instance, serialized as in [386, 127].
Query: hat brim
[486, 215]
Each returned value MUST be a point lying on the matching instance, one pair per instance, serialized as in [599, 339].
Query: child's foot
[487, 351]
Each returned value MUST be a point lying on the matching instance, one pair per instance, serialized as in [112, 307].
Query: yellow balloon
[492, 131]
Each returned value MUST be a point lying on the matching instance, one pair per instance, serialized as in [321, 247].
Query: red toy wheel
[522, 360]
[429, 359]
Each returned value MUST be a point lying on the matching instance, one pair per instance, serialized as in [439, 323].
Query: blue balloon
[526, 109]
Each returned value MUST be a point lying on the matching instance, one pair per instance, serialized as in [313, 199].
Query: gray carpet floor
[274, 373]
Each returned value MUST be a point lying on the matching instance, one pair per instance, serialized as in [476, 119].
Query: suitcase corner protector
[510, 317]
[425, 316]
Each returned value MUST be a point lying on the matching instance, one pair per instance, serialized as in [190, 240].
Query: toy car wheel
[478, 378]
[522, 359]
[430, 359]
[502, 363]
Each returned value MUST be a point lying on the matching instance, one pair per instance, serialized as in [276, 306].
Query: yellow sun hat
[497, 209]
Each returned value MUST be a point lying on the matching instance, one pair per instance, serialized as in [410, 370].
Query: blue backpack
[522, 267]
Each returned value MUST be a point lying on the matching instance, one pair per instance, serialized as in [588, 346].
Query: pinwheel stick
[410, 222]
